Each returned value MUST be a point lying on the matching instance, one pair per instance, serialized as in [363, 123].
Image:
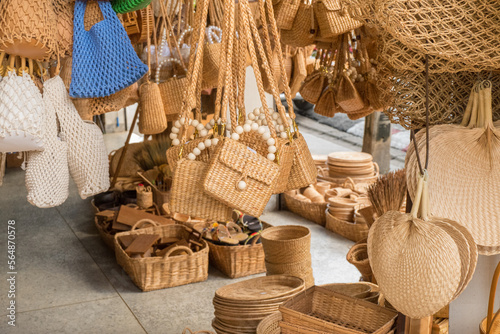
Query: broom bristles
[388, 193]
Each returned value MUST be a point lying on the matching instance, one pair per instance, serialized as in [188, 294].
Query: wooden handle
[176, 248]
[491, 302]
[141, 222]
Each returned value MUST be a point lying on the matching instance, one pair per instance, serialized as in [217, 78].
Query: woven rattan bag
[313, 86]
[299, 71]
[21, 113]
[28, 28]
[463, 170]
[333, 19]
[47, 172]
[87, 156]
[303, 30]
[102, 52]
[285, 15]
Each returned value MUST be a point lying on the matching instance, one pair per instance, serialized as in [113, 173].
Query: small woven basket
[270, 324]
[320, 309]
[239, 261]
[164, 272]
[303, 31]
[287, 244]
[358, 256]
[332, 19]
[352, 231]
[172, 92]
[303, 172]
[314, 212]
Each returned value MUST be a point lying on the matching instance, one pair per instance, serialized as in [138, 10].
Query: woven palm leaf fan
[464, 166]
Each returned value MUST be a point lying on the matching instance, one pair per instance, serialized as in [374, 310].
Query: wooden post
[377, 140]
[418, 326]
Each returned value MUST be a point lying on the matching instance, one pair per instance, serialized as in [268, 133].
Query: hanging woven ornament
[104, 61]
[463, 169]
[304, 28]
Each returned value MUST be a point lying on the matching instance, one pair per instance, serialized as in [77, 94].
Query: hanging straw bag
[285, 15]
[21, 113]
[28, 28]
[303, 30]
[211, 55]
[299, 71]
[64, 10]
[87, 156]
[333, 19]
[126, 6]
[117, 62]
[47, 173]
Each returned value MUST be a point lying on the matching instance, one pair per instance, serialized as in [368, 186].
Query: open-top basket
[351, 231]
[314, 212]
[152, 273]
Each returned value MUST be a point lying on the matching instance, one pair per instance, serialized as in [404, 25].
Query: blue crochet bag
[104, 61]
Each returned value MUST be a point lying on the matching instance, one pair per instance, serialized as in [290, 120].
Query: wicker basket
[320, 309]
[287, 244]
[314, 212]
[164, 272]
[358, 256]
[109, 239]
[239, 261]
[352, 231]
[270, 324]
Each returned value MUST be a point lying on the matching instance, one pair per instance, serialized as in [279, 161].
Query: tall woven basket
[239, 261]
[164, 272]
[314, 212]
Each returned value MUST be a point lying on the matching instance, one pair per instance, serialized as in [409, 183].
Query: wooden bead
[239, 129]
[271, 149]
[271, 156]
[196, 151]
[247, 127]
[173, 135]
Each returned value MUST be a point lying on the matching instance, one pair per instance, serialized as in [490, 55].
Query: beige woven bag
[333, 18]
[303, 30]
[47, 172]
[87, 156]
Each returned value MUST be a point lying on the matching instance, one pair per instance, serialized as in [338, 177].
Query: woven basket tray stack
[240, 307]
[343, 217]
[358, 166]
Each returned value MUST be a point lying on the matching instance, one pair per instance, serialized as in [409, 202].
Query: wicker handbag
[29, 29]
[126, 6]
[87, 156]
[313, 86]
[21, 112]
[117, 62]
[333, 19]
[211, 56]
[303, 30]
[285, 15]
[47, 172]
[152, 118]
[299, 71]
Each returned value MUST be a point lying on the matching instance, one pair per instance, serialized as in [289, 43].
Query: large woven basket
[314, 212]
[157, 272]
[321, 309]
[348, 230]
[239, 261]
[287, 244]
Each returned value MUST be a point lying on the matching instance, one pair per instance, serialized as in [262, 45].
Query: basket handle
[377, 169]
[349, 183]
[177, 248]
[144, 221]
[491, 302]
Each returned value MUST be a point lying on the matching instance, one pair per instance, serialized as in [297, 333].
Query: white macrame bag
[87, 156]
[47, 173]
[21, 114]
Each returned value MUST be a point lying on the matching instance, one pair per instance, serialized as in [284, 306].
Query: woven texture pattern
[152, 119]
[87, 157]
[302, 33]
[348, 230]
[303, 172]
[234, 162]
[159, 272]
[314, 212]
[172, 95]
[125, 6]
[28, 28]
[331, 312]
[416, 263]
[102, 52]
[270, 324]
[64, 10]
[462, 179]
[333, 19]
[21, 114]
[47, 173]
[188, 198]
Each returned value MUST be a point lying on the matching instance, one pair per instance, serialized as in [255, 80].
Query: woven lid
[463, 180]
[417, 264]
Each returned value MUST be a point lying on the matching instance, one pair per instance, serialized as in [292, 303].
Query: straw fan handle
[491, 302]
[142, 222]
[176, 249]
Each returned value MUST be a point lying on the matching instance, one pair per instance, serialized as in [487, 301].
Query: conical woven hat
[417, 264]
[463, 185]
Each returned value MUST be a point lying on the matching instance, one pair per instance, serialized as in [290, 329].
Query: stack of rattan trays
[240, 307]
[173, 256]
[358, 166]
[321, 310]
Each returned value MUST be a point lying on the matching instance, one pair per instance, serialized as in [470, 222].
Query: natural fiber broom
[388, 193]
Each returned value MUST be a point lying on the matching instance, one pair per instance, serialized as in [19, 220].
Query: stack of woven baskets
[288, 251]
[240, 307]
[358, 166]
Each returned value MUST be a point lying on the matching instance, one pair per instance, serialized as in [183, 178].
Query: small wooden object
[142, 243]
[126, 240]
[129, 216]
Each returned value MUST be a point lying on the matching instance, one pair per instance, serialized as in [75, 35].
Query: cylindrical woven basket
[314, 212]
[239, 261]
[270, 324]
[287, 244]
[358, 256]
[157, 272]
[351, 231]
[301, 270]
[172, 95]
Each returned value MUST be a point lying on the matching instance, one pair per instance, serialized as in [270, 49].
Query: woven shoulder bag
[47, 172]
[87, 156]
[21, 112]
[104, 61]
[29, 28]
[333, 18]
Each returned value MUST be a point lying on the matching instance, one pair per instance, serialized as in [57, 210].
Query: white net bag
[87, 156]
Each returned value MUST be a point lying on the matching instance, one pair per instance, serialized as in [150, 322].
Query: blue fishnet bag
[104, 61]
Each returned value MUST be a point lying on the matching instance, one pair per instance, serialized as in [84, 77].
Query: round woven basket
[270, 324]
[358, 256]
[287, 244]
[348, 230]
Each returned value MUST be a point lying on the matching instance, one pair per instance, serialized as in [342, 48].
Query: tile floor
[69, 282]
